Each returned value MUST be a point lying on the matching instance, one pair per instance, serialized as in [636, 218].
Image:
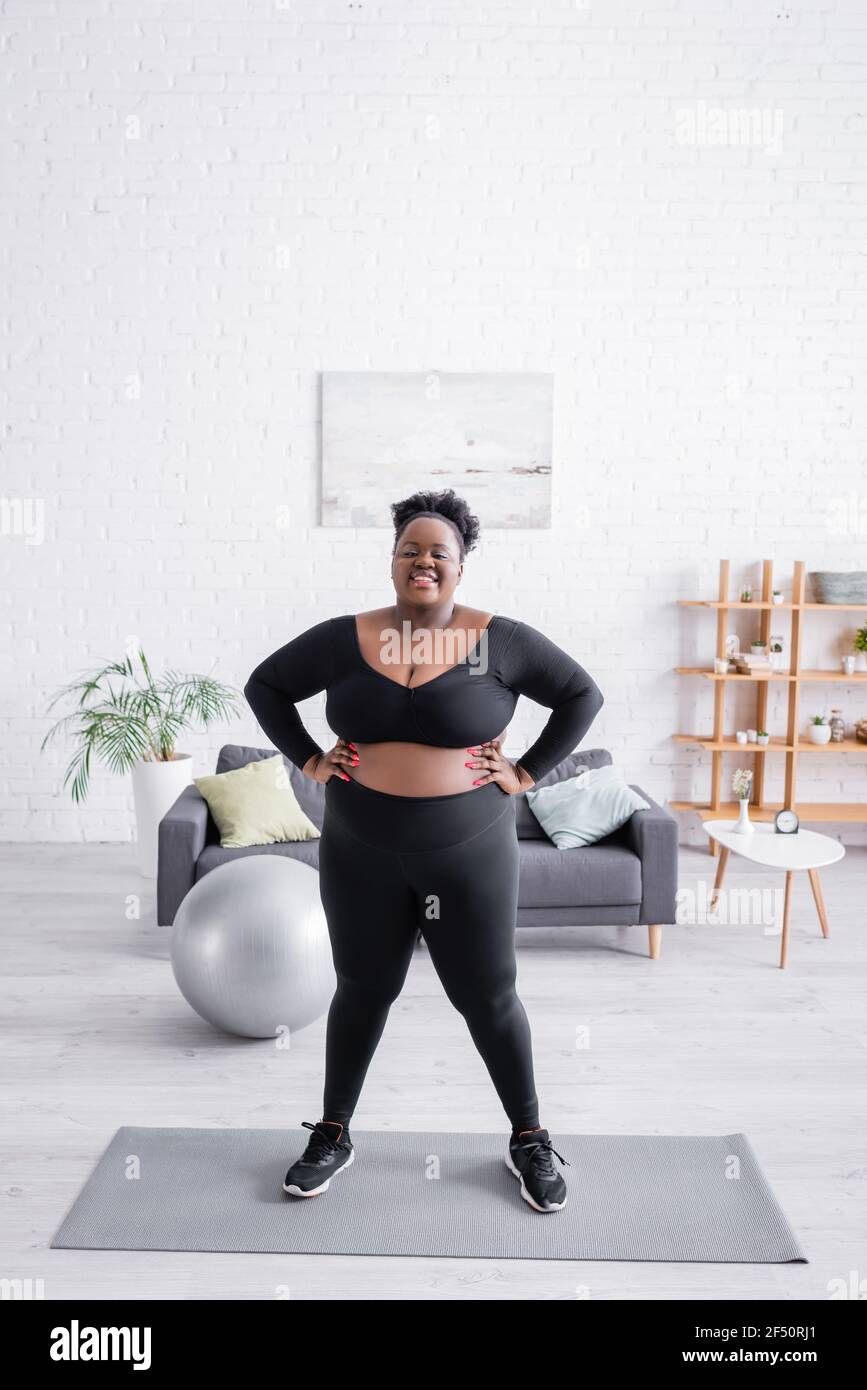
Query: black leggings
[391, 866]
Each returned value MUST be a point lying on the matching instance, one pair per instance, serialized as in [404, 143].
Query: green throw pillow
[255, 805]
[584, 808]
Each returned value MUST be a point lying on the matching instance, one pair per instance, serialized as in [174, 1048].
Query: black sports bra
[466, 704]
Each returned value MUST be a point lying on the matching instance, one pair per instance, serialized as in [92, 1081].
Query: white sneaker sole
[555, 1206]
[315, 1191]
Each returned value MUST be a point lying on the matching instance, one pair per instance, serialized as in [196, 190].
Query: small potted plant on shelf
[746, 594]
[860, 645]
[818, 731]
[777, 596]
[742, 786]
[763, 737]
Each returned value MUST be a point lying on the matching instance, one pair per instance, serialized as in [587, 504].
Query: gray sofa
[628, 878]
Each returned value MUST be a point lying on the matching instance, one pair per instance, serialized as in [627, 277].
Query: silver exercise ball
[250, 947]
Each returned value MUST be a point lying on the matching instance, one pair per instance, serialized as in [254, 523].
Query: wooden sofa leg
[655, 934]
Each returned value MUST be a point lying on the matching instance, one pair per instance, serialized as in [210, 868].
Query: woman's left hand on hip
[494, 766]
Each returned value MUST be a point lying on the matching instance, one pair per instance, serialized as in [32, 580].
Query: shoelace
[318, 1145]
[540, 1155]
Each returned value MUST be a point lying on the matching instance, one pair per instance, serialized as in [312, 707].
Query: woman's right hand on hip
[323, 766]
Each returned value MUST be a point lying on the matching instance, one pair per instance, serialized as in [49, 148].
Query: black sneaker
[329, 1150]
[529, 1158]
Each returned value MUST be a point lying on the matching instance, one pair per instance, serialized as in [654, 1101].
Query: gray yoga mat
[631, 1197]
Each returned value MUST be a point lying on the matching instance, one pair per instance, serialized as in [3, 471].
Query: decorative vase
[743, 825]
[156, 787]
[861, 661]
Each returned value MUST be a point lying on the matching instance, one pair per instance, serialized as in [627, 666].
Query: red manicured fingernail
[345, 778]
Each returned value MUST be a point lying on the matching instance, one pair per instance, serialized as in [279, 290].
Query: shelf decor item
[742, 785]
[837, 726]
[848, 663]
[818, 731]
[763, 737]
[861, 731]
[835, 586]
[132, 721]
[746, 595]
[777, 596]
[860, 645]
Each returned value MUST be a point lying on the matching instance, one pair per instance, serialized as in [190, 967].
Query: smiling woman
[419, 806]
[394, 734]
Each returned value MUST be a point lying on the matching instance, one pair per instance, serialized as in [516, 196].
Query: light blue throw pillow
[585, 808]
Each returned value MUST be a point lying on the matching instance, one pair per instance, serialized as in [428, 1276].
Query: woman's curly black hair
[440, 504]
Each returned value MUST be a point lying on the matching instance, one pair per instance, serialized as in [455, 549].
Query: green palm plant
[139, 721]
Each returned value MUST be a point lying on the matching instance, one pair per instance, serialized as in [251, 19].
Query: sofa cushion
[527, 825]
[256, 805]
[604, 874]
[310, 794]
[585, 808]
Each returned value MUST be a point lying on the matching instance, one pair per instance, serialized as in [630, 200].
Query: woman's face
[427, 548]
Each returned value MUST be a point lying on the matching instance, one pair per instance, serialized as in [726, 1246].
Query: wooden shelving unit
[790, 745]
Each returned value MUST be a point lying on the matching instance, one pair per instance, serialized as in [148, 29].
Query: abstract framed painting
[486, 434]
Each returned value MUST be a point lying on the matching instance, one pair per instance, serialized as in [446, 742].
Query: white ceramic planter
[156, 786]
[861, 661]
[819, 733]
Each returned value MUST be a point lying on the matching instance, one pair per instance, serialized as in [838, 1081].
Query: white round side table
[805, 849]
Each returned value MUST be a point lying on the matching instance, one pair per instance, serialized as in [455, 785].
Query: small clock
[786, 822]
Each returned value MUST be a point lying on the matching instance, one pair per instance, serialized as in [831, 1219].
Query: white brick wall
[204, 205]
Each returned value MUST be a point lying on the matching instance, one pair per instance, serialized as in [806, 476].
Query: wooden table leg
[815, 884]
[720, 875]
[787, 910]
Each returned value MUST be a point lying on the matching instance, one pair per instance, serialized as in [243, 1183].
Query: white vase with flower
[742, 785]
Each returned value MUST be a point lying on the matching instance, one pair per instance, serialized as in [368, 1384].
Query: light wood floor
[711, 1039]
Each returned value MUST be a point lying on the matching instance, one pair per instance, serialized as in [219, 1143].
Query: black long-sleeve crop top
[466, 705]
